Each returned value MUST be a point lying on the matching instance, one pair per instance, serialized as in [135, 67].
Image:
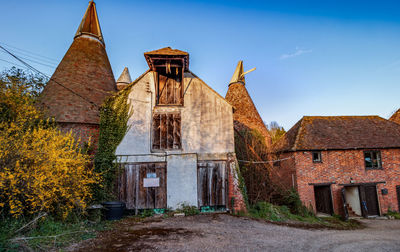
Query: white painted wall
[353, 198]
[181, 180]
[206, 134]
[207, 121]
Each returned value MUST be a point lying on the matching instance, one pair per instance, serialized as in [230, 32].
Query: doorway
[323, 199]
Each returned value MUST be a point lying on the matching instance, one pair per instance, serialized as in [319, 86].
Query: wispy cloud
[297, 53]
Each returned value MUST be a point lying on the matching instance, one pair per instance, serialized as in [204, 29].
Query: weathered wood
[166, 131]
[132, 190]
[212, 183]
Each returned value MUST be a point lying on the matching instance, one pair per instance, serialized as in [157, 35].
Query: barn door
[211, 183]
[143, 186]
[372, 200]
[369, 200]
[323, 199]
[345, 208]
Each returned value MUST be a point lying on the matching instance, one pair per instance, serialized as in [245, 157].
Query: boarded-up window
[166, 131]
[169, 86]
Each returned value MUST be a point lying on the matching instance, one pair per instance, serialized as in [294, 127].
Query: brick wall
[82, 131]
[339, 166]
[233, 186]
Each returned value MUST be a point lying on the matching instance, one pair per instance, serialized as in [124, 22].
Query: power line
[265, 162]
[37, 62]
[42, 59]
[29, 52]
[35, 70]
[14, 64]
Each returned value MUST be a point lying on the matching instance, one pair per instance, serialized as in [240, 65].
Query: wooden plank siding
[132, 191]
[212, 183]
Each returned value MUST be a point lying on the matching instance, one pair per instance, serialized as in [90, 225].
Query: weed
[188, 210]
[147, 213]
[394, 214]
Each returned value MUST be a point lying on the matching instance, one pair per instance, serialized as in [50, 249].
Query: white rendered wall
[181, 180]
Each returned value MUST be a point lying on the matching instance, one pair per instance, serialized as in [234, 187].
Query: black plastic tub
[113, 210]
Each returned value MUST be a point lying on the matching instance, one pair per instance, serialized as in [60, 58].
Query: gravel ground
[222, 232]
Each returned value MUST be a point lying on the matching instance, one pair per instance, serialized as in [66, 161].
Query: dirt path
[228, 233]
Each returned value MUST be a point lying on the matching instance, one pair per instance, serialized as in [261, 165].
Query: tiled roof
[167, 51]
[340, 132]
[86, 77]
[395, 117]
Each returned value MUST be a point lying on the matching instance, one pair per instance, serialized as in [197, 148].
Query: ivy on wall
[114, 115]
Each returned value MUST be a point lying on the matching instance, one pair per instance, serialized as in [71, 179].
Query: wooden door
[398, 197]
[371, 200]
[323, 199]
[345, 208]
[211, 183]
[143, 186]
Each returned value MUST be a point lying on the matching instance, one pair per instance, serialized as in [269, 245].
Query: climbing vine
[114, 116]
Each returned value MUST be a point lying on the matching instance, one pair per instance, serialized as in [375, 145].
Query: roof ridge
[298, 133]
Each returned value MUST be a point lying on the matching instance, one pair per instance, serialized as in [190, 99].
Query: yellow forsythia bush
[45, 171]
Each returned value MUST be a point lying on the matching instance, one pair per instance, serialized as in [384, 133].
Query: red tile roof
[395, 117]
[340, 132]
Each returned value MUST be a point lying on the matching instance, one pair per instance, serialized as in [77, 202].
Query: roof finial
[90, 23]
[238, 75]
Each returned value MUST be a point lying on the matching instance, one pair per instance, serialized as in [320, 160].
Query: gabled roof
[167, 53]
[395, 117]
[340, 132]
[90, 23]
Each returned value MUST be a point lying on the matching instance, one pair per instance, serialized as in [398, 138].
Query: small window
[372, 160]
[166, 132]
[316, 157]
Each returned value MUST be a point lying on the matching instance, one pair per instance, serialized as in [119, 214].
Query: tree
[41, 168]
[275, 131]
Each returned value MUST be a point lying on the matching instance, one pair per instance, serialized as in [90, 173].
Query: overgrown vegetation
[250, 146]
[114, 115]
[42, 169]
[47, 233]
[393, 214]
[45, 176]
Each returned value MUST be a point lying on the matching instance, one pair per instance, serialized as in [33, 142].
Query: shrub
[42, 169]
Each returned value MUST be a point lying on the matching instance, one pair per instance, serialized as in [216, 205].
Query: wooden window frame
[316, 160]
[378, 157]
[166, 135]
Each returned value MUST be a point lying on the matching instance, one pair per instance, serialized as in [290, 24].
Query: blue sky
[312, 57]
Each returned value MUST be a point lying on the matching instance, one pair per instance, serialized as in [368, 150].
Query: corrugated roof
[340, 132]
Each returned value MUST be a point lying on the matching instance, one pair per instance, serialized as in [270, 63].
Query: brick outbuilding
[342, 164]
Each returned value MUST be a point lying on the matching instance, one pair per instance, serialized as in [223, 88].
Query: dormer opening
[168, 66]
[169, 90]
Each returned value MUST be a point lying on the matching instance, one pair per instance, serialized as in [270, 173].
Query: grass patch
[282, 214]
[46, 234]
[393, 214]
